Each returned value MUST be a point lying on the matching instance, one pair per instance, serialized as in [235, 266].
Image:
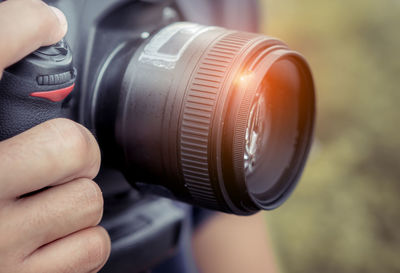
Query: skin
[234, 244]
[55, 229]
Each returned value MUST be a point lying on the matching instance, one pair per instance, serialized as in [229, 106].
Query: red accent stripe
[54, 95]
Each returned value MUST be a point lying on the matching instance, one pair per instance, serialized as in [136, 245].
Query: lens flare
[245, 78]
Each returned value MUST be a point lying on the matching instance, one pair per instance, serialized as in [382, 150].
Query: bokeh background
[345, 214]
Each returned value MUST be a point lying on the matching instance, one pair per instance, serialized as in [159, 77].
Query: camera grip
[25, 104]
[32, 90]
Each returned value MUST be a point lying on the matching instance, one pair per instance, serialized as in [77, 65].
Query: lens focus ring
[200, 102]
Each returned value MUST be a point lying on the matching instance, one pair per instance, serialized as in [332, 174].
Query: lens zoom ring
[198, 111]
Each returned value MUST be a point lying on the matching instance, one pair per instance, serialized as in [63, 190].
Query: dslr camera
[184, 109]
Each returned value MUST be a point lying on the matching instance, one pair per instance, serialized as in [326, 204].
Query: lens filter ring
[198, 113]
[283, 78]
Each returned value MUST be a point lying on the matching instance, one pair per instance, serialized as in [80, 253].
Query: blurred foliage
[344, 216]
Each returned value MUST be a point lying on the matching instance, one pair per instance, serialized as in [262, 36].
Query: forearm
[229, 243]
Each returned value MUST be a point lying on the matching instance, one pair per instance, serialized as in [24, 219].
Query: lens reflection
[273, 129]
[257, 132]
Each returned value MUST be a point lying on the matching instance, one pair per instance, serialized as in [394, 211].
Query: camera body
[213, 117]
[144, 229]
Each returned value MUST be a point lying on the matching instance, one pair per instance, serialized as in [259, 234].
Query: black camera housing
[144, 229]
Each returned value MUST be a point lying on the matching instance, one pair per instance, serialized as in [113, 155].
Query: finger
[25, 25]
[56, 212]
[51, 153]
[84, 251]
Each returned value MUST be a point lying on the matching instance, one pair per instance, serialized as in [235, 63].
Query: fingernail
[61, 18]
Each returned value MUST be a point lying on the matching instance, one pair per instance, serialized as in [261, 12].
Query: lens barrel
[219, 118]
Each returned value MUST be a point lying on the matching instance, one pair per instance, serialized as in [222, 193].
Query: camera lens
[219, 118]
[273, 130]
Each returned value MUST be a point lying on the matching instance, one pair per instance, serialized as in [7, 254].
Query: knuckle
[92, 198]
[78, 143]
[71, 134]
[99, 247]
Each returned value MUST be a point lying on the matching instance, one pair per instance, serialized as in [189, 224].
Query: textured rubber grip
[32, 90]
[20, 110]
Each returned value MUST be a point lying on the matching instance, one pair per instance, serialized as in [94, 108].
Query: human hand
[55, 228]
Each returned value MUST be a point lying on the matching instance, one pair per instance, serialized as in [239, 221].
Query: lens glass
[273, 130]
[258, 129]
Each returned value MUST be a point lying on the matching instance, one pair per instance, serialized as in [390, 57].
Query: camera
[217, 118]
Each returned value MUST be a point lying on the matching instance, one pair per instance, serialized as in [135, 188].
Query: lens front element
[258, 129]
[283, 89]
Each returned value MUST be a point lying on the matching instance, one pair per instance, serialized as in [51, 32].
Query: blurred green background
[344, 216]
